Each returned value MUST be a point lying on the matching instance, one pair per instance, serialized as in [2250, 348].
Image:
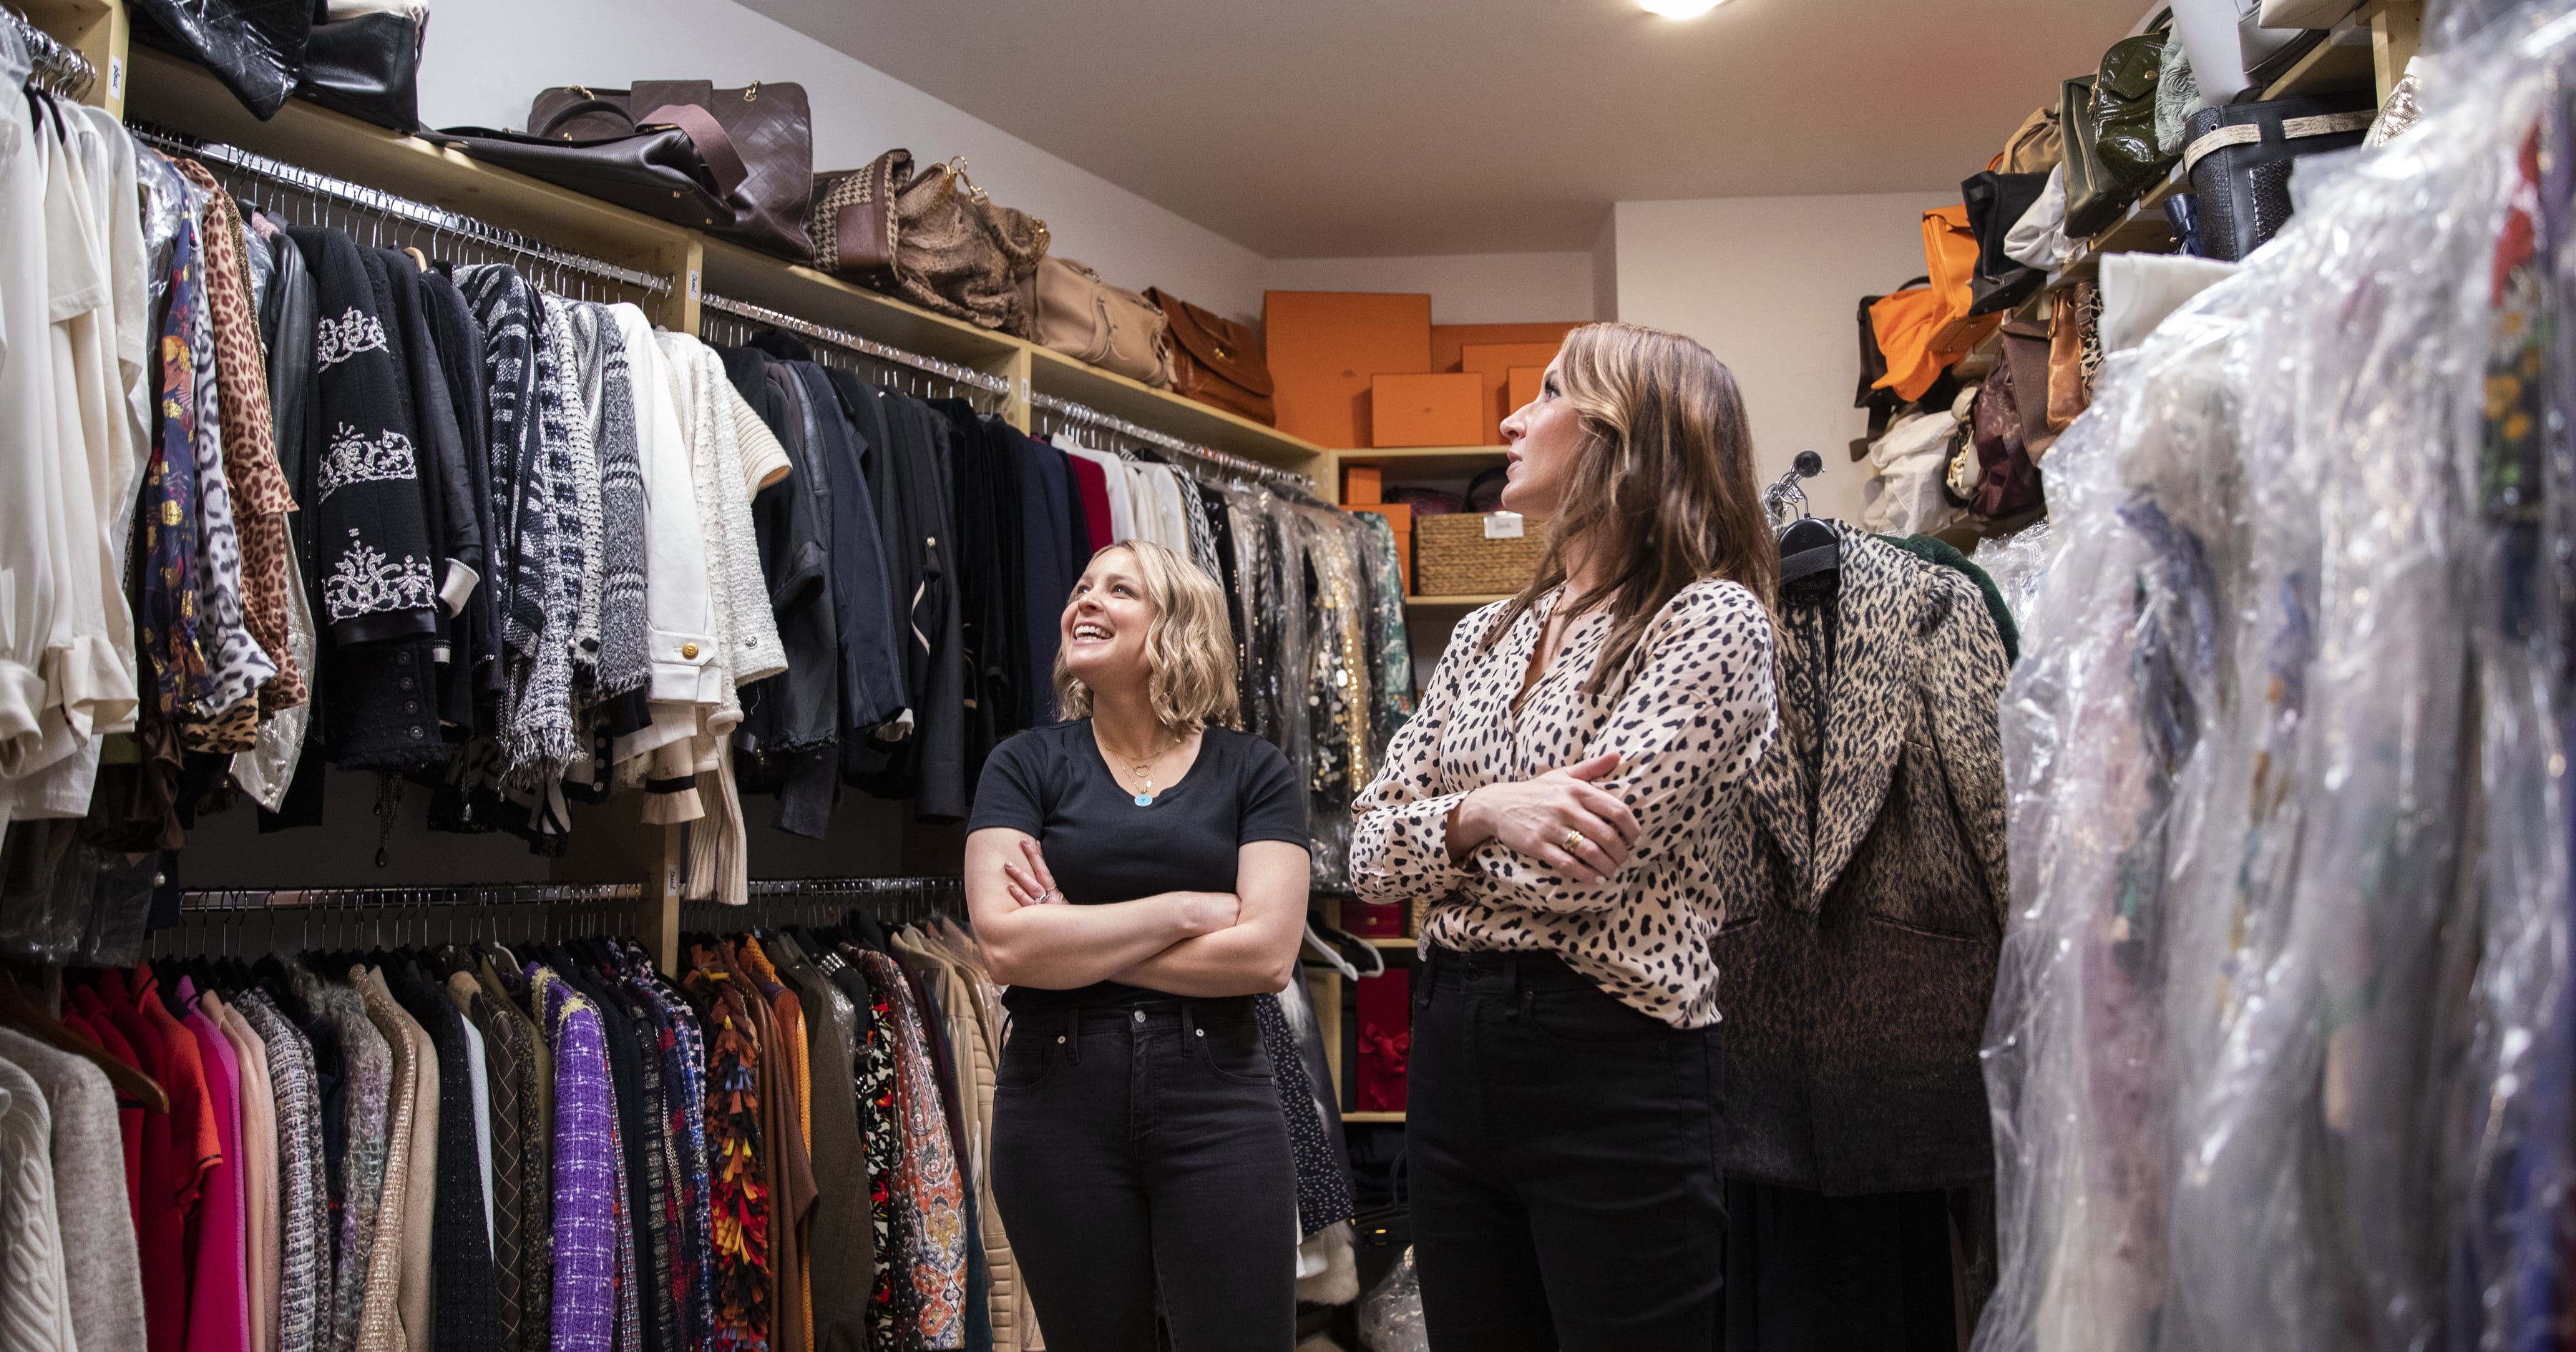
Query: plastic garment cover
[1391, 1315]
[62, 901]
[1341, 614]
[2278, 1052]
[2018, 563]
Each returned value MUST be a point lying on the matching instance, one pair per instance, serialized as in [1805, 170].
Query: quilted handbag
[1217, 361]
[930, 237]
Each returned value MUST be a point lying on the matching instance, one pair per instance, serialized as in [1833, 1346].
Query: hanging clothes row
[776, 1150]
[2281, 1044]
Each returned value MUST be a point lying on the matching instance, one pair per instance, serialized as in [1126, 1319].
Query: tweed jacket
[1856, 968]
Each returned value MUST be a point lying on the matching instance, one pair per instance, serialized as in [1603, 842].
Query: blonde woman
[1568, 804]
[1137, 874]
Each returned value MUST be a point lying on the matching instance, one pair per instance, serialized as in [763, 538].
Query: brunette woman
[1566, 805]
[1137, 874]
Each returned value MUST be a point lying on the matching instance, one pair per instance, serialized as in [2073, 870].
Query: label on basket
[1502, 525]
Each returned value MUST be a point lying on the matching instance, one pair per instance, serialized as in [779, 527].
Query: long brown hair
[1663, 486]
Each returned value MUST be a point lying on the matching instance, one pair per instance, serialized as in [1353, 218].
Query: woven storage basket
[1452, 557]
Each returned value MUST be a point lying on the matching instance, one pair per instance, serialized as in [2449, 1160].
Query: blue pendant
[1144, 800]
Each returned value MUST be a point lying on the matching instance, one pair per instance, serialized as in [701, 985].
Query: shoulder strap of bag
[714, 145]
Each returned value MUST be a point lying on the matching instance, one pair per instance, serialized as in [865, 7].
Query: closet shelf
[1372, 1117]
[1052, 372]
[1393, 943]
[747, 274]
[1403, 463]
[1456, 602]
[182, 97]
[2341, 63]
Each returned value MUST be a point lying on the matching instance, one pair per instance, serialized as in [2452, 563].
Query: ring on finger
[1573, 843]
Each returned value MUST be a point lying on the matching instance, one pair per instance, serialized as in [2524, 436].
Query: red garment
[1092, 482]
[129, 1115]
[186, 1147]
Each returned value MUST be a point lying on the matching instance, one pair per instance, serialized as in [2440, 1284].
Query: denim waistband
[1507, 970]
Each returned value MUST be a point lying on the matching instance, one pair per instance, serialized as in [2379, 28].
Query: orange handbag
[1927, 329]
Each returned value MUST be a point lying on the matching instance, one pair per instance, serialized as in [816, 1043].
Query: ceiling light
[1679, 9]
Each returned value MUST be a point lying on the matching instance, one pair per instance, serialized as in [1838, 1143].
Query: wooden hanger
[418, 257]
[19, 1011]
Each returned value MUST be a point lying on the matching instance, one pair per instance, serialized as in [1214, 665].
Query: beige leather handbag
[1110, 327]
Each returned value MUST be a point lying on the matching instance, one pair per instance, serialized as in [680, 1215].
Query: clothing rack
[246, 922]
[823, 901]
[56, 69]
[868, 347]
[1084, 413]
[437, 219]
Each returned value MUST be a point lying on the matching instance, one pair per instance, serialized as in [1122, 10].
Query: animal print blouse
[1696, 709]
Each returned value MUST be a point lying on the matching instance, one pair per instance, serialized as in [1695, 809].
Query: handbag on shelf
[368, 66]
[2075, 114]
[656, 170]
[1115, 329]
[1217, 361]
[757, 142]
[254, 47]
[2037, 146]
[1996, 203]
[930, 237]
[2125, 158]
[2238, 159]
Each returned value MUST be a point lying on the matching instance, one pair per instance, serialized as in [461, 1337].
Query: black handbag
[254, 47]
[2238, 158]
[1380, 1235]
[367, 67]
[1996, 202]
[657, 171]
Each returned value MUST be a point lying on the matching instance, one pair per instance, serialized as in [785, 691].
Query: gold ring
[1574, 843]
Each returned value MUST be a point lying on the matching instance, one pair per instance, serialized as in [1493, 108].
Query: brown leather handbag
[758, 141]
[932, 238]
[1110, 327]
[1217, 361]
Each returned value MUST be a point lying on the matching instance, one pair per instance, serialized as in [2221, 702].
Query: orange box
[1429, 409]
[1522, 387]
[1325, 347]
[1362, 485]
[1447, 340]
[1494, 361]
[1400, 516]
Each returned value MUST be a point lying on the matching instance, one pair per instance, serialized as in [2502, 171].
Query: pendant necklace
[1144, 770]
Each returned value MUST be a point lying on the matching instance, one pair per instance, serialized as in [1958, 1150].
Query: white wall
[488, 58]
[1510, 288]
[1770, 284]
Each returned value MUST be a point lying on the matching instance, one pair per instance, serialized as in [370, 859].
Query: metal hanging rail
[400, 208]
[55, 67]
[776, 319]
[1087, 414]
[353, 898]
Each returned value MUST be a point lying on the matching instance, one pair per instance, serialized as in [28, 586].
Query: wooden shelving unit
[1414, 463]
[1372, 1117]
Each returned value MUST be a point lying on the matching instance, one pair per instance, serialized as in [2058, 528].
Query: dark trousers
[1141, 1152]
[1563, 1164]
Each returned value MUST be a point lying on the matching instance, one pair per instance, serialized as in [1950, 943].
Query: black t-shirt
[1102, 847]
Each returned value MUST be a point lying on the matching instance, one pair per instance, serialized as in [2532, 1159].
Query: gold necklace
[1143, 770]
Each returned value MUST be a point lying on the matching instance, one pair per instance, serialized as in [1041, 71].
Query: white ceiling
[1340, 128]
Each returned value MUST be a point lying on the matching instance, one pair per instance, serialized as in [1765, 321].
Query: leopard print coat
[1694, 710]
[1859, 969]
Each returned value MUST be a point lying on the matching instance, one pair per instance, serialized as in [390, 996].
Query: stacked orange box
[1428, 409]
[1521, 389]
[1325, 349]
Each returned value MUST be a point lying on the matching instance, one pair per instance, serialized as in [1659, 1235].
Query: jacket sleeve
[1400, 840]
[1962, 675]
[1700, 710]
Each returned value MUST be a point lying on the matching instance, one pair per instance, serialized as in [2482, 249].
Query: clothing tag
[1502, 525]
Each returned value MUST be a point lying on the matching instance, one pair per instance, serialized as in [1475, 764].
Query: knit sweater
[625, 655]
[578, 518]
[35, 1307]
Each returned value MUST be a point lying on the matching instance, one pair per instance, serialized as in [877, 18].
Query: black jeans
[1141, 1151]
[1564, 1154]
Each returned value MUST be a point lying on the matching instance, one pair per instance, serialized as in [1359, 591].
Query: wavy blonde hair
[1189, 649]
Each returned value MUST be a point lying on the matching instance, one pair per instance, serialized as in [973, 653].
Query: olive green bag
[2119, 143]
